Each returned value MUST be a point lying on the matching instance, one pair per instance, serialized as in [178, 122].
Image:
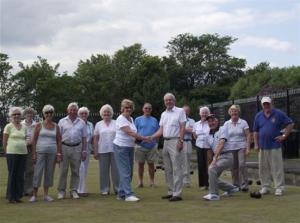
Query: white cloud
[266, 42]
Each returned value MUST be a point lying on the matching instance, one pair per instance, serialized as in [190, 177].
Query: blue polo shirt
[146, 126]
[269, 128]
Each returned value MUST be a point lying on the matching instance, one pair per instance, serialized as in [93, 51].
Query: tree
[5, 83]
[27, 82]
[202, 61]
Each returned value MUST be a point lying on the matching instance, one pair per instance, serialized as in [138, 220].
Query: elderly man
[187, 146]
[222, 160]
[172, 127]
[146, 151]
[267, 128]
[74, 133]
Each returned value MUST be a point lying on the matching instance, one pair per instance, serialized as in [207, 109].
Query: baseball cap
[211, 116]
[266, 100]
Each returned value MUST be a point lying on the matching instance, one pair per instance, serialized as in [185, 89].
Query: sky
[65, 32]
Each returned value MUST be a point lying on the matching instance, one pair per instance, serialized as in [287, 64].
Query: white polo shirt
[72, 132]
[107, 134]
[236, 134]
[170, 122]
[201, 130]
[122, 138]
[213, 139]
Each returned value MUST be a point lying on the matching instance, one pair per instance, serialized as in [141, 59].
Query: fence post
[232, 101]
[257, 103]
[287, 102]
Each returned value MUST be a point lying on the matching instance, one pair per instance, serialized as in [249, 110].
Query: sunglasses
[16, 114]
[127, 107]
[49, 112]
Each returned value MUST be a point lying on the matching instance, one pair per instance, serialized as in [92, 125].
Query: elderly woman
[204, 153]
[239, 142]
[46, 148]
[83, 113]
[104, 135]
[15, 149]
[29, 123]
[124, 142]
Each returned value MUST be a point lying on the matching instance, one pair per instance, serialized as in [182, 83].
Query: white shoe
[132, 198]
[104, 193]
[211, 197]
[278, 192]
[61, 195]
[32, 199]
[264, 191]
[47, 198]
[74, 194]
[229, 193]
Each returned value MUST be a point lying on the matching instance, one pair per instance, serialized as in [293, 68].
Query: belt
[71, 145]
[187, 140]
[169, 138]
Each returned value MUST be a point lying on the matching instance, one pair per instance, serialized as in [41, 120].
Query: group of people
[32, 149]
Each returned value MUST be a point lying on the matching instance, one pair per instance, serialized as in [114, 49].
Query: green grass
[151, 208]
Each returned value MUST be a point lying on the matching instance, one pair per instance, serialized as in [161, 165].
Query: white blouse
[122, 138]
[201, 130]
[106, 135]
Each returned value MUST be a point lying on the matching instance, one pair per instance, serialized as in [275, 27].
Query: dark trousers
[204, 157]
[16, 165]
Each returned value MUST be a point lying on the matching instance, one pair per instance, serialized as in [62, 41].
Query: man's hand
[280, 138]
[179, 145]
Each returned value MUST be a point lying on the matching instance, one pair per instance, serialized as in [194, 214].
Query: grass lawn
[151, 208]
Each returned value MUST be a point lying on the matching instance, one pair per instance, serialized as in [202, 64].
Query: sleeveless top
[46, 142]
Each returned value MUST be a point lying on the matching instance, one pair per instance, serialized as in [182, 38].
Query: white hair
[204, 109]
[73, 104]
[83, 110]
[47, 108]
[104, 108]
[29, 110]
[170, 95]
[13, 109]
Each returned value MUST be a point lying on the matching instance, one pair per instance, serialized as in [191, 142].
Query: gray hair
[83, 109]
[203, 109]
[47, 108]
[104, 108]
[29, 110]
[73, 104]
[170, 95]
[13, 109]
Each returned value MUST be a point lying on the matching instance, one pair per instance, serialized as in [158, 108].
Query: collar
[76, 120]
[239, 121]
[172, 109]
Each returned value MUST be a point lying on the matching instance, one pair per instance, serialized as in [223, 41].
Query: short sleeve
[182, 116]
[255, 124]
[223, 132]
[84, 130]
[245, 125]
[96, 131]
[7, 129]
[122, 122]
[161, 120]
[284, 119]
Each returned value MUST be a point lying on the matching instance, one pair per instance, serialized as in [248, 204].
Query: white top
[122, 138]
[72, 132]
[189, 125]
[29, 130]
[213, 140]
[236, 134]
[107, 134]
[170, 122]
[46, 142]
[201, 130]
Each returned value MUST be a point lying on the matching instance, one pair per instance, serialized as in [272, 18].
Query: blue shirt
[146, 126]
[269, 128]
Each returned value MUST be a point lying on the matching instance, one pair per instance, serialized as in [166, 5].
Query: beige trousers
[72, 158]
[271, 166]
[173, 167]
[187, 150]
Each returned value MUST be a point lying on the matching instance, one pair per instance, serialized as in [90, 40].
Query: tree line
[198, 70]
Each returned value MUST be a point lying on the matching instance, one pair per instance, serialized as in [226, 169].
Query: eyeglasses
[49, 112]
[127, 107]
[16, 114]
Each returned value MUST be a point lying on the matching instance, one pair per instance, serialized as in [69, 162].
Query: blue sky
[65, 32]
